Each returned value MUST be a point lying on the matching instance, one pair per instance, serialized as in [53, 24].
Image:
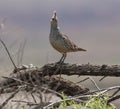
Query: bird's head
[54, 22]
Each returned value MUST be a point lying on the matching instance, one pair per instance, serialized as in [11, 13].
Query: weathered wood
[74, 69]
[44, 79]
[34, 78]
[82, 70]
[35, 74]
[40, 75]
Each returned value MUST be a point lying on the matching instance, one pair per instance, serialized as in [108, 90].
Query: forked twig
[94, 83]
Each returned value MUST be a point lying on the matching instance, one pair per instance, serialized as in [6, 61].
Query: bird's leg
[61, 59]
[61, 62]
[58, 64]
[64, 56]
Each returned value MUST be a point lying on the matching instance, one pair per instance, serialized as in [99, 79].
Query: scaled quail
[60, 41]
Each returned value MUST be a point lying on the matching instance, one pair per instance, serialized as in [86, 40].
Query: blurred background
[92, 24]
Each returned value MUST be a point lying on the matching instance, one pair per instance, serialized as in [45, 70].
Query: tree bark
[82, 70]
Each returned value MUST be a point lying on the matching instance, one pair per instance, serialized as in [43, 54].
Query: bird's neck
[54, 28]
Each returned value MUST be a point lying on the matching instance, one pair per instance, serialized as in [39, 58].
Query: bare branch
[4, 45]
[82, 70]
[114, 98]
[7, 100]
[94, 83]
[45, 80]
[82, 80]
[116, 92]
[21, 52]
[102, 78]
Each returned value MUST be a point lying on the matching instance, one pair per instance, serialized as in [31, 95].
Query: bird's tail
[81, 49]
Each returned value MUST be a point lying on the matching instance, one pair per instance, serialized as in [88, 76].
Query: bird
[60, 41]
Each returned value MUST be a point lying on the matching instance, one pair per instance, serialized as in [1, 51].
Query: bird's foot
[59, 62]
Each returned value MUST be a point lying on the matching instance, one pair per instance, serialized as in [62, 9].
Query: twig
[69, 99]
[7, 100]
[4, 45]
[38, 105]
[28, 103]
[94, 83]
[114, 98]
[18, 80]
[100, 92]
[83, 80]
[91, 80]
[21, 52]
[115, 92]
[35, 86]
[33, 98]
[102, 78]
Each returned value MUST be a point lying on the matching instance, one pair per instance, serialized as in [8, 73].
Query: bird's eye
[53, 19]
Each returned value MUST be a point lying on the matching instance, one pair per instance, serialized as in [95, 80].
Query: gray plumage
[61, 42]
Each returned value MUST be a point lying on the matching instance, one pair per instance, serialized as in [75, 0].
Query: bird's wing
[71, 45]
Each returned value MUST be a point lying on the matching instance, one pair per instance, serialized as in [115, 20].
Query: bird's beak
[54, 15]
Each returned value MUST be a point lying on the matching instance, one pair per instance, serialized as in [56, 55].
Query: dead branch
[41, 75]
[57, 85]
[4, 45]
[82, 70]
[21, 52]
[8, 99]
[44, 79]
[114, 98]
[73, 69]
